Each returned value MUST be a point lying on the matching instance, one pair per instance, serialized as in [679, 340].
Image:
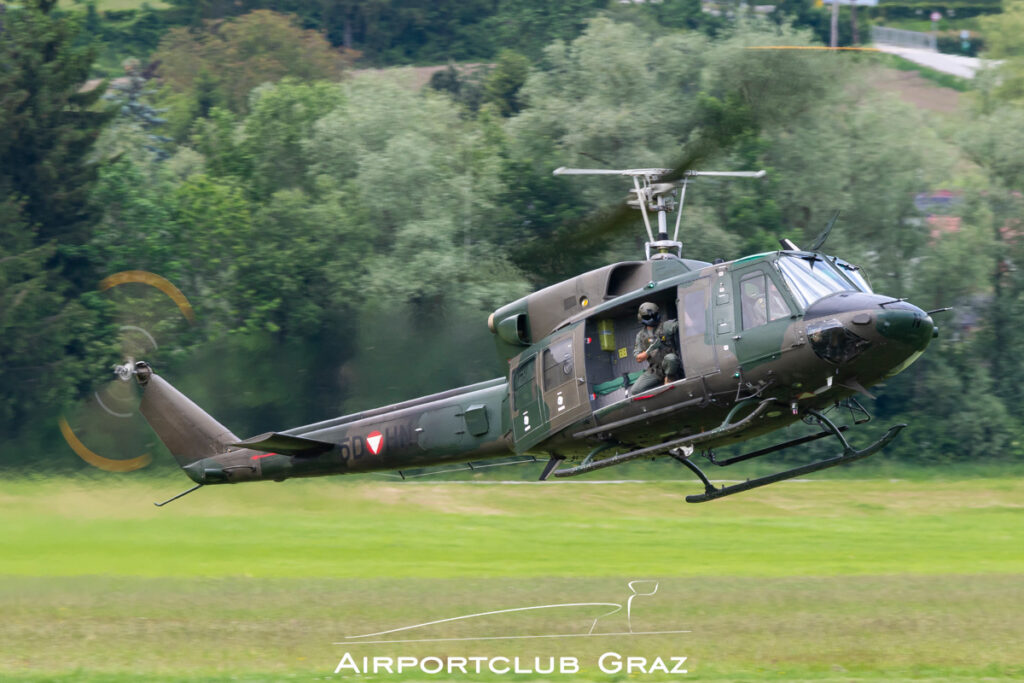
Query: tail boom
[458, 425]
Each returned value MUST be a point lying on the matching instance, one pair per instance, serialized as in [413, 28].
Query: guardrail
[902, 38]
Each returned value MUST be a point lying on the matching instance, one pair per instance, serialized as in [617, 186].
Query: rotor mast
[650, 195]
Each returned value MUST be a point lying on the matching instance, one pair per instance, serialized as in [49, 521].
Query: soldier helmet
[649, 313]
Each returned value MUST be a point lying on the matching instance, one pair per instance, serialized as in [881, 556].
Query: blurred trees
[219, 63]
[501, 88]
[389, 32]
[1003, 39]
[49, 122]
[325, 210]
[420, 31]
[48, 126]
[619, 97]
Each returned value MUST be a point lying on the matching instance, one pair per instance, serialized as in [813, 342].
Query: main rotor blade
[640, 172]
[820, 241]
[559, 253]
[656, 173]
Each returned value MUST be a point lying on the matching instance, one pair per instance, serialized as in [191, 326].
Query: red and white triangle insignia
[375, 440]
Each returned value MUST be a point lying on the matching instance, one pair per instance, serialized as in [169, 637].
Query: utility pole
[834, 40]
[854, 38]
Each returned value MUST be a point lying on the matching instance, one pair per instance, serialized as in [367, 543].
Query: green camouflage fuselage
[747, 332]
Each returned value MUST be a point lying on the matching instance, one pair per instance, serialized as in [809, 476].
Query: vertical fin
[188, 432]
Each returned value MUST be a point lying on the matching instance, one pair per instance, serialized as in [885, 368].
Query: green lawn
[843, 580]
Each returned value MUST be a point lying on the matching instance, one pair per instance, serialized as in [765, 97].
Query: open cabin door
[696, 336]
[548, 389]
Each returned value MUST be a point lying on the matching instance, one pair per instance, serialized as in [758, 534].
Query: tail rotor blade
[146, 307]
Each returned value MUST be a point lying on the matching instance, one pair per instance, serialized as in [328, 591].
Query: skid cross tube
[721, 430]
[849, 454]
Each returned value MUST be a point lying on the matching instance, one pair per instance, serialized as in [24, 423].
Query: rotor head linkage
[652, 192]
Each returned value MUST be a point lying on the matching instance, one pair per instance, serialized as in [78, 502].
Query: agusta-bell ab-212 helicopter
[764, 341]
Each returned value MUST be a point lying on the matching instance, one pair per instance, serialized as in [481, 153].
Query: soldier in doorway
[656, 344]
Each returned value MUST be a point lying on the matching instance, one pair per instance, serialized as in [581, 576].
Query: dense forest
[343, 233]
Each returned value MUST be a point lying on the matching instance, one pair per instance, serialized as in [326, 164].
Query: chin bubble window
[833, 342]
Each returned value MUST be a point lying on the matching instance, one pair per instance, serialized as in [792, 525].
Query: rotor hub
[125, 371]
[655, 190]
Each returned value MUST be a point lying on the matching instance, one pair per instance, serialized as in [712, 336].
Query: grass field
[827, 580]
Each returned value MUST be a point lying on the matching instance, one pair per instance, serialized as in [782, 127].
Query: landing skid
[682, 449]
[849, 454]
[771, 449]
[725, 429]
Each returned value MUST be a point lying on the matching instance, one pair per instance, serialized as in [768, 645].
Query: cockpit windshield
[812, 278]
[854, 273]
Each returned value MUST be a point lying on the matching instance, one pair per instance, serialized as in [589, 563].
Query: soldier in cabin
[655, 343]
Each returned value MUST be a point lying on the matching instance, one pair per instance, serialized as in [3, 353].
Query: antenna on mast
[650, 195]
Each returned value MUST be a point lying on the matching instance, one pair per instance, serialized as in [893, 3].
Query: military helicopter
[764, 341]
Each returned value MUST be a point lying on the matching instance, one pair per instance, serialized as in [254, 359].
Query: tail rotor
[147, 306]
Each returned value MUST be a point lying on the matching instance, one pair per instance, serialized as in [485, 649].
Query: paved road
[964, 67]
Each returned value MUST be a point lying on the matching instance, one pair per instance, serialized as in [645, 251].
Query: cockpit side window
[777, 306]
[752, 301]
[760, 300]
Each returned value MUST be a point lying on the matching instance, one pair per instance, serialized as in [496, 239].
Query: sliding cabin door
[696, 336]
[549, 390]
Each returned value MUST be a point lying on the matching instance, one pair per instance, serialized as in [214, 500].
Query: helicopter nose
[906, 324]
[894, 320]
[862, 328]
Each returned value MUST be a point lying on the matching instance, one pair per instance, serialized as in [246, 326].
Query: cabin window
[558, 367]
[522, 384]
[760, 300]
[694, 314]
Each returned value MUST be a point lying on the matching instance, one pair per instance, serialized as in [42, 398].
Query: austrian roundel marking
[375, 441]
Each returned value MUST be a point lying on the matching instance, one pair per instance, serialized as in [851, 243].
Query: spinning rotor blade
[117, 399]
[557, 254]
[147, 306]
[820, 241]
[657, 173]
[152, 279]
[97, 460]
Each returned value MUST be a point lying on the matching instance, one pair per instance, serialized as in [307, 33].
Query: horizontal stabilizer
[286, 444]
